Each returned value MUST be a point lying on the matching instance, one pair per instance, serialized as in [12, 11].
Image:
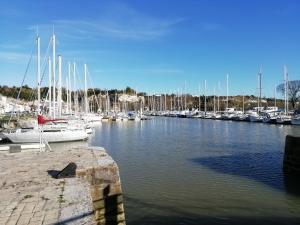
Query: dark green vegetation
[96, 96]
[27, 93]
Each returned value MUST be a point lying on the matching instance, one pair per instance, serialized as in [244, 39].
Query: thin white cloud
[115, 21]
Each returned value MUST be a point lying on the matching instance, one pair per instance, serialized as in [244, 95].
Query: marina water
[189, 171]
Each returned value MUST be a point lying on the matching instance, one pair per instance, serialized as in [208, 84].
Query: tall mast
[227, 77]
[174, 103]
[286, 106]
[108, 102]
[178, 100]
[115, 102]
[182, 101]
[214, 100]
[165, 108]
[59, 99]
[142, 105]
[85, 90]
[74, 89]
[100, 103]
[161, 102]
[199, 89]
[243, 103]
[152, 102]
[184, 95]
[205, 97]
[275, 96]
[171, 101]
[219, 89]
[70, 88]
[50, 86]
[259, 87]
[38, 72]
[54, 77]
[67, 92]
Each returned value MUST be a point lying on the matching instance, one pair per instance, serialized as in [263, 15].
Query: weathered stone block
[115, 189]
[80, 173]
[100, 204]
[97, 192]
[99, 214]
[121, 223]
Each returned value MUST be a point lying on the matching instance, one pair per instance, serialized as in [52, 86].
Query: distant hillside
[28, 94]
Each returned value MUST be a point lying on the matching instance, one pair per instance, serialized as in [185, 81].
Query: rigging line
[90, 79]
[45, 61]
[24, 77]
[44, 71]
[33, 93]
[47, 93]
[78, 78]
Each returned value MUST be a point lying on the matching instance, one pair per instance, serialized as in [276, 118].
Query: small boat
[144, 117]
[296, 120]
[284, 119]
[88, 130]
[106, 118]
[269, 119]
[255, 117]
[270, 115]
[182, 114]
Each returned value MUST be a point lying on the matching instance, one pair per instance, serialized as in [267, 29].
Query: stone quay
[71, 185]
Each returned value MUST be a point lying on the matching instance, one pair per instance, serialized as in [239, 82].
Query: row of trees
[27, 93]
[293, 91]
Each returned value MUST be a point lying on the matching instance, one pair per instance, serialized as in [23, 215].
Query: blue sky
[155, 46]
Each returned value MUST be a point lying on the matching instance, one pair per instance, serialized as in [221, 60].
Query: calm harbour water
[192, 171]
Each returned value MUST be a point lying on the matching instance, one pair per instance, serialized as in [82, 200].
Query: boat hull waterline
[49, 136]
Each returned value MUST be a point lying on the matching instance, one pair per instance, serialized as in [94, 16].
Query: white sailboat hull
[33, 135]
[283, 120]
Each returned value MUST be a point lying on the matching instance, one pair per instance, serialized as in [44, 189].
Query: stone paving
[30, 196]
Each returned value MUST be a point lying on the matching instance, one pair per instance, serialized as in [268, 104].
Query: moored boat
[48, 135]
[295, 120]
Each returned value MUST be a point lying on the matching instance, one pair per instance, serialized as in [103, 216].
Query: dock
[76, 185]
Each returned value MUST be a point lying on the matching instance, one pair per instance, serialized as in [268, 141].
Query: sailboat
[47, 130]
[47, 133]
[255, 114]
[284, 118]
[271, 112]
